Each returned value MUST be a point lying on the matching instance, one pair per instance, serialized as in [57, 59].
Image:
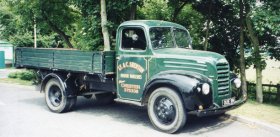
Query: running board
[129, 102]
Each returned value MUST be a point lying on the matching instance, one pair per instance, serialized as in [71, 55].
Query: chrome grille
[223, 78]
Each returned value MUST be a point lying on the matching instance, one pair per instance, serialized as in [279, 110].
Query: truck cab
[157, 56]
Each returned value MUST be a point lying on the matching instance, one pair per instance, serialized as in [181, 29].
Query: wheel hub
[165, 110]
[55, 95]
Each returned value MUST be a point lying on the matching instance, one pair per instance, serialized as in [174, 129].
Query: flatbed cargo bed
[66, 60]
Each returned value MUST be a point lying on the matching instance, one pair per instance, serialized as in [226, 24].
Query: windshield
[169, 37]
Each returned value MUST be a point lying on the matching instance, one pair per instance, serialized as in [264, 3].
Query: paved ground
[5, 72]
[23, 113]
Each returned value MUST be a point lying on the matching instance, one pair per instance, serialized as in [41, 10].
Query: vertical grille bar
[223, 78]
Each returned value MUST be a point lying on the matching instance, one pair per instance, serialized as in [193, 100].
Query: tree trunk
[177, 10]
[207, 34]
[259, 83]
[35, 33]
[62, 34]
[208, 26]
[133, 9]
[254, 39]
[241, 44]
[106, 37]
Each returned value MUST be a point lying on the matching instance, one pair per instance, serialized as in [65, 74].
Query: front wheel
[166, 110]
[56, 99]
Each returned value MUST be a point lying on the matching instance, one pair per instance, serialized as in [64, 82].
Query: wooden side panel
[109, 62]
[69, 60]
[97, 61]
[34, 58]
[73, 60]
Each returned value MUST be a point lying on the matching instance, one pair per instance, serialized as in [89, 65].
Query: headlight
[205, 89]
[237, 82]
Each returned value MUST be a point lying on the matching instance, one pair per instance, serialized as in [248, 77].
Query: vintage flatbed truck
[153, 65]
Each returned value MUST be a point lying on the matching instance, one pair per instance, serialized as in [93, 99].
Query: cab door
[132, 67]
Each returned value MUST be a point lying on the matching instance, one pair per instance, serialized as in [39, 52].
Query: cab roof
[151, 23]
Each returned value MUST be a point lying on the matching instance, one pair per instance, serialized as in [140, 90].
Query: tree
[90, 36]
[262, 22]
[51, 16]
[17, 29]
[106, 37]
[177, 6]
[133, 9]
[155, 10]
[208, 24]
[187, 16]
[57, 15]
[224, 32]
[241, 44]
[258, 60]
[7, 21]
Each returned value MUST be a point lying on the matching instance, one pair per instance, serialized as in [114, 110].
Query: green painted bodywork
[67, 60]
[168, 59]
[134, 69]
[192, 62]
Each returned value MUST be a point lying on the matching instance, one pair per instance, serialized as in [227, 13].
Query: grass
[264, 112]
[16, 81]
[271, 74]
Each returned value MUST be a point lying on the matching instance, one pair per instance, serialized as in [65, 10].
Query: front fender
[185, 85]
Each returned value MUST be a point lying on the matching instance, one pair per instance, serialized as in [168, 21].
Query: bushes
[24, 75]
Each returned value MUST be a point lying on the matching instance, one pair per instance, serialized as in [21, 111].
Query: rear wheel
[166, 110]
[56, 99]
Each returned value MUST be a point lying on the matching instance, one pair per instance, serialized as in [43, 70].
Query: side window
[133, 39]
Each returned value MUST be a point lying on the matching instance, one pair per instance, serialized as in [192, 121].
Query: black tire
[56, 99]
[166, 110]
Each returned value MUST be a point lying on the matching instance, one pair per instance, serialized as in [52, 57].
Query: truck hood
[193, 61]
[189, 54]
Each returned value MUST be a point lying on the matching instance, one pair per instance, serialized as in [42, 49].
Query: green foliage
[224, 28]
[7, 22]
[25, 40]
[25, 75]
[80, 21]
[266, 17]
[266, 20]
[193, 21]
[89, 34]
[50, 17]
[155, 10]
[13, 75]
[188, 17]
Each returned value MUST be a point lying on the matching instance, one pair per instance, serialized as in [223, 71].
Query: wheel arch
[182, 84]
[49, 76]
[157, 84]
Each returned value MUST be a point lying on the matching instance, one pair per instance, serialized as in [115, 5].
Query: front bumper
[217, 110]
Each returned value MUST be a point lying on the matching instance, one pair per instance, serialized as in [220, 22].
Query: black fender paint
[185, 83]
[66, 85]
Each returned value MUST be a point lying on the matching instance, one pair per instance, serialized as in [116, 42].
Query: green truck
[153, 66]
